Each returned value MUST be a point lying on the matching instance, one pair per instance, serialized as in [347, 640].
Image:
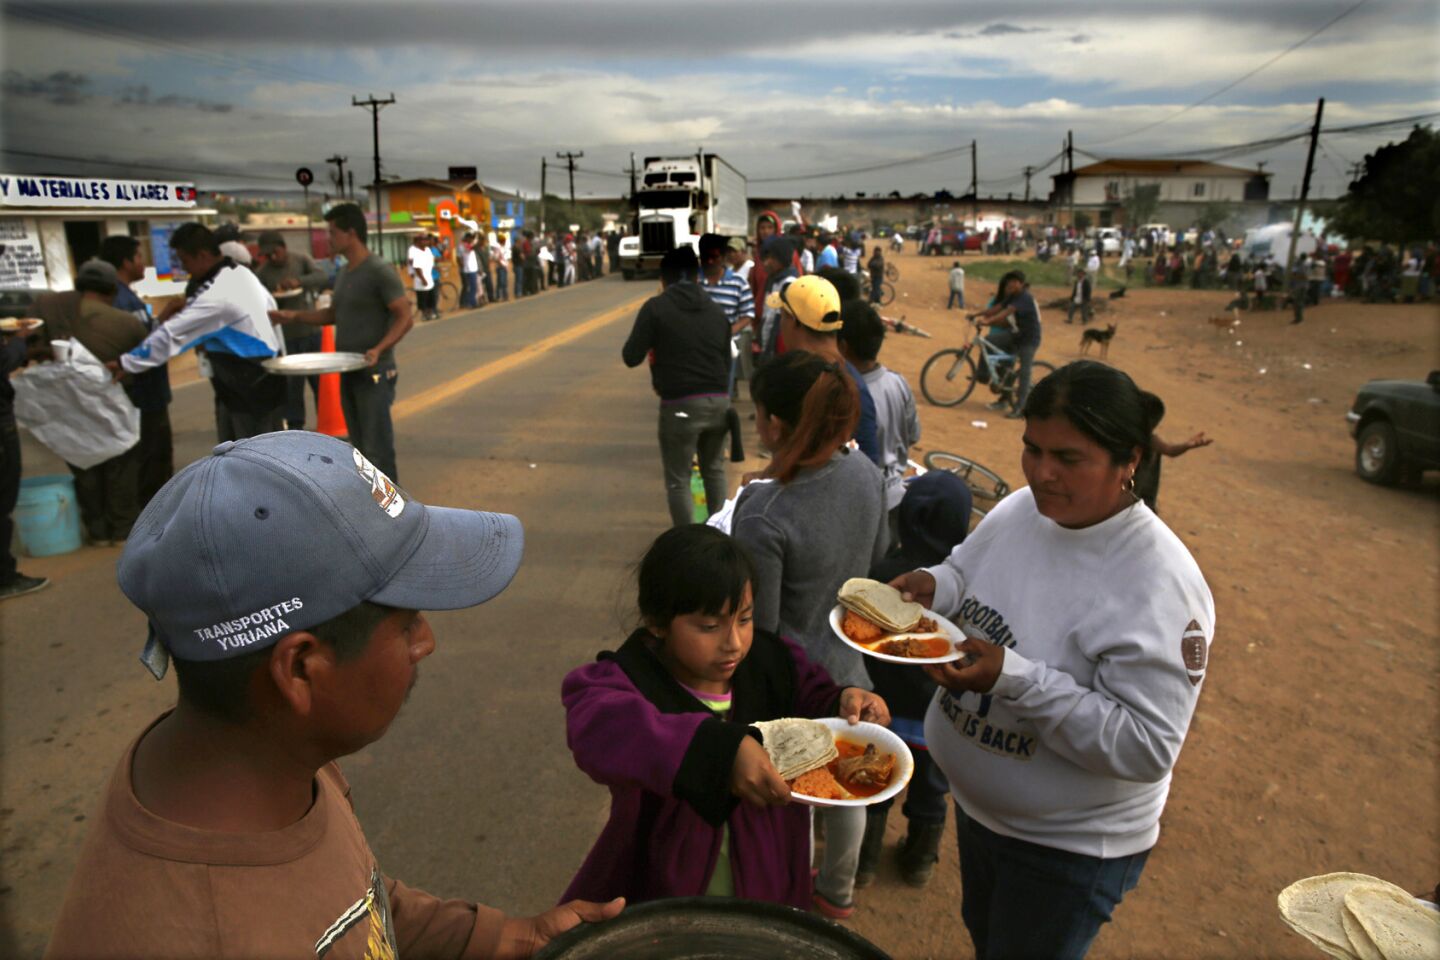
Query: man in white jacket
[226, 313]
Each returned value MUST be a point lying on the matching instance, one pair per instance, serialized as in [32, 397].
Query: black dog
[1102, 337]
[1117, 294]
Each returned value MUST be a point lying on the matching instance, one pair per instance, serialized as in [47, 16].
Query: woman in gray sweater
[820, 523]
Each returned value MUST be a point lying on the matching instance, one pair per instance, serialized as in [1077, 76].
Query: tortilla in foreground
[1313, 908]
[797, 745]
[880, 603]
[1398, 925]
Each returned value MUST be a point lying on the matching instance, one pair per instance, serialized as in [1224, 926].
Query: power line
[1235, 83]
[93, 162]
[872, 168]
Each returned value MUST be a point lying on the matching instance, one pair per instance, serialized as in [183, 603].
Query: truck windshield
[662, 199]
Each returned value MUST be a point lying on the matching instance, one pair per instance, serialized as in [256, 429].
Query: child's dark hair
[816, 399]
[692, 569]
[862, 330]
[1101, 402]
[846, 284]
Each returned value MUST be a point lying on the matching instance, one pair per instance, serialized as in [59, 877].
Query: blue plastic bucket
[47, 515]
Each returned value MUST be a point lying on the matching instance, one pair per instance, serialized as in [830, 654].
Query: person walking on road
[107, 492]
[286, 579]
[371, 315]
[15, 352]
[226, 313]
[957, 287]
[690, 337]
[421, 263]
[1080, 293]
[149, 391]
[281, 271]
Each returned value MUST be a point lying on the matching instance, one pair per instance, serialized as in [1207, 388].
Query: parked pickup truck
[1396, 426]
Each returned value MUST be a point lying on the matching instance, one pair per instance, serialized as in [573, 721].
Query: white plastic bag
[74, 407]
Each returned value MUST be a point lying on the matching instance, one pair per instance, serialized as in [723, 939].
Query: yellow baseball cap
[813, 300]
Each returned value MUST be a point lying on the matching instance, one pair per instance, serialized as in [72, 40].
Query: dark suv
[1396, 426]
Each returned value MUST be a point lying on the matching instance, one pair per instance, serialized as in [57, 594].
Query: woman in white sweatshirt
[1090, 626]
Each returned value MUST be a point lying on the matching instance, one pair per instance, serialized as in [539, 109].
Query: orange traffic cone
[330, 414]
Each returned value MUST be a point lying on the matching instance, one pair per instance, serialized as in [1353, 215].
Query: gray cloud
[639, 28]
[140, 95]
[63, 88]
[1003, 29]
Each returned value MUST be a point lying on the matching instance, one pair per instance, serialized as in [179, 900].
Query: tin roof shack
[419, 202]
[51, 225]
[1101, 188]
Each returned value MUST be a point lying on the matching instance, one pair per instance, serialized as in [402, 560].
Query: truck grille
[657, 237]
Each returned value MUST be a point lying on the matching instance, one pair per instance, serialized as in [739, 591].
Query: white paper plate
[12, 324]
[310, 364]
[838, 613]
[865, 732]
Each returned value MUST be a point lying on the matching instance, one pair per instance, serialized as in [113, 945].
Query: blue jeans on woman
[502, 288]
[1022, 900]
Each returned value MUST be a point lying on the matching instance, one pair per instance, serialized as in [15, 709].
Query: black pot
[711, 928]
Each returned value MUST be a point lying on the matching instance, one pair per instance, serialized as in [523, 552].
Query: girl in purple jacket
[695, 805]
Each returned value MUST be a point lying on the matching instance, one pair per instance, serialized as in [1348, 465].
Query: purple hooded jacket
[667, 759]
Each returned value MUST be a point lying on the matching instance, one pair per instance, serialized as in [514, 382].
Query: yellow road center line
[437, 395]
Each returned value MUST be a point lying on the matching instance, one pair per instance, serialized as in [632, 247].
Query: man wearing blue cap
[285, 575]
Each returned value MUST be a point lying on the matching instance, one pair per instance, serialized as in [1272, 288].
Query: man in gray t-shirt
[371, 314]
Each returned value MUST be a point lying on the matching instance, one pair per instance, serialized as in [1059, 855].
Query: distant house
[411, 206]
[1101, 188]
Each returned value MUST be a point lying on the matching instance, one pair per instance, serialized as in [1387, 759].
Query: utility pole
[1070, 162]
[1028, 171]
[542, 195]
[632, 171]
[339, 162]
[375, 106]
[570, 159]
[974, 185]
[1304, 188]
[351, 175]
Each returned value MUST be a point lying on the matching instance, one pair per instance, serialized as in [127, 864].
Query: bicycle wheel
[887, 294]
[948, 377]
[892, 272]
[983, 482]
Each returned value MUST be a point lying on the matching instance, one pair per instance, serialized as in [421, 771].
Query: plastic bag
[74, 407]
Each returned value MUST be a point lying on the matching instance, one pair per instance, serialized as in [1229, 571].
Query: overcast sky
[242, 93]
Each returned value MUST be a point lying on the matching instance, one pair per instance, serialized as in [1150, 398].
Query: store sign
[22, 262]
[19, 190]
[167, 267]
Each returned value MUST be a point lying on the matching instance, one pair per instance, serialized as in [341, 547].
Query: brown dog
[1102, 337]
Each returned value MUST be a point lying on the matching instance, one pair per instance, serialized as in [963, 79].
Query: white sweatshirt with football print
[1107, 633]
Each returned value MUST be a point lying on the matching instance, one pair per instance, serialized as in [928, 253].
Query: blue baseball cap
[285, 531]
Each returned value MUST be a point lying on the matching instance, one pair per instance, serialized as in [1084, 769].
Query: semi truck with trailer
[676, 201]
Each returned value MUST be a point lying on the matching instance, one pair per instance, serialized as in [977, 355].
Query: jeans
[691, 427]
[1023, 900]
[295, 386]
[156, 452]
[844, 829]
[957, 299]
[519, 281]
[107, 496]
[9, 494]
[469, 290]
[502, 286]
[1005, 340]
[235, 424]
[365, 397]
[487, 286]
[1084, 309]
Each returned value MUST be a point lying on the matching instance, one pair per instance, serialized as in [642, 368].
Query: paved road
[472, 793]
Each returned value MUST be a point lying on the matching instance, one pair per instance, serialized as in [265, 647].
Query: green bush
[1055, 273]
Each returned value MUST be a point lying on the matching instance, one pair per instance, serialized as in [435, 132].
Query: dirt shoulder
[1313, 748]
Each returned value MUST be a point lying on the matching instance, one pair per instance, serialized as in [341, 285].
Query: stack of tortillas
[1352, 916]
[880, 603]
[796, 745]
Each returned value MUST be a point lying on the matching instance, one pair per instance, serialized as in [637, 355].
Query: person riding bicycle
[1020, 334]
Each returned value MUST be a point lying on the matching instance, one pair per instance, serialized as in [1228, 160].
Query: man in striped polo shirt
[732, 294]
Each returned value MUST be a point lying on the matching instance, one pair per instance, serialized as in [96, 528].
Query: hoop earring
[1129, 485]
